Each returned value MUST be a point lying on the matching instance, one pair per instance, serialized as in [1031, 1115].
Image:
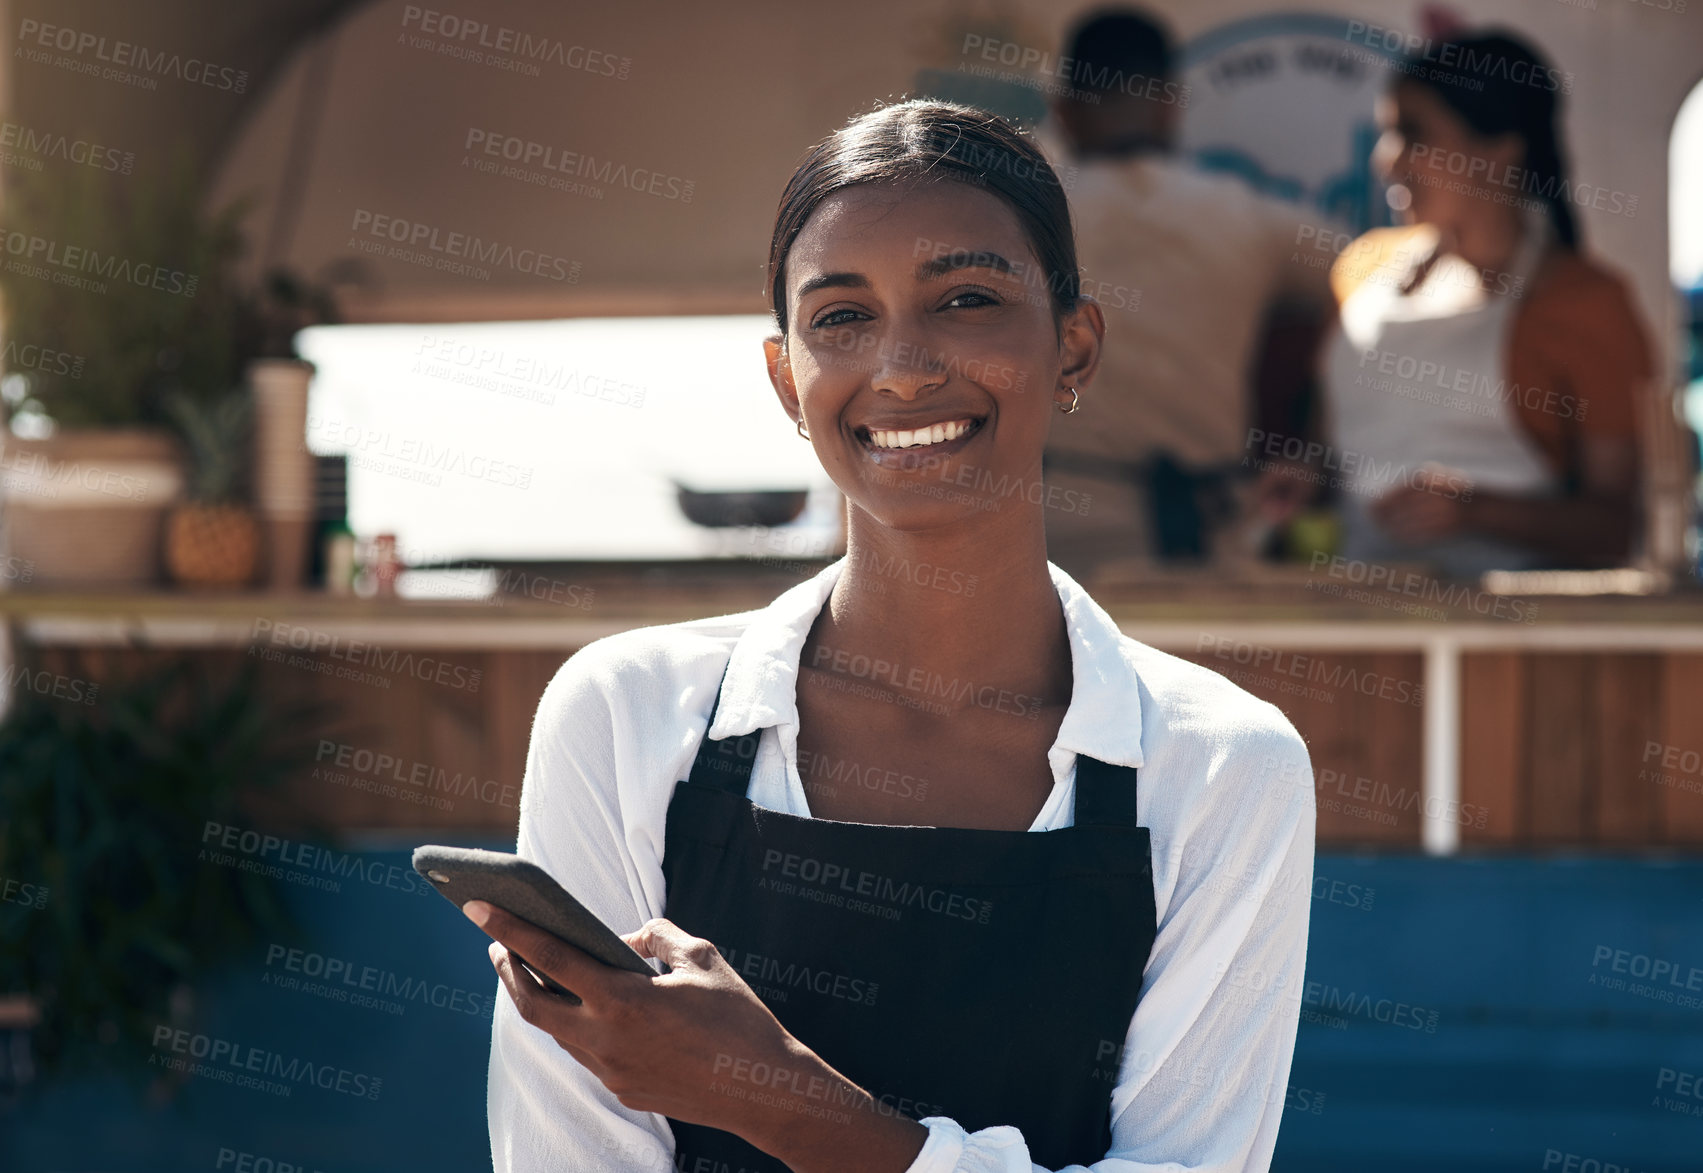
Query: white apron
[1423, 378]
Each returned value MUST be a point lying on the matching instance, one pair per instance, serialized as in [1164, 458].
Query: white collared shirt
[1225, 788]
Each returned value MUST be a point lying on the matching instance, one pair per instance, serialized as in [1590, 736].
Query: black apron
[988, 976]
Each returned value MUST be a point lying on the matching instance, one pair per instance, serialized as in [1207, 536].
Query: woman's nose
[907, 365]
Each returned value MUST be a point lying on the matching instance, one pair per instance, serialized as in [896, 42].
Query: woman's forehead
[888, 223]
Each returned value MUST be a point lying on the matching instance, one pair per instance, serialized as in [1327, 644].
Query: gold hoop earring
[1075, 400]
[801, 432]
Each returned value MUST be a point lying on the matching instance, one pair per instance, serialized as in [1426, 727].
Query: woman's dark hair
[930, 141]
[1498, 84]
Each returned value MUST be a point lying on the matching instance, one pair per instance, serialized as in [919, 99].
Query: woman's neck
[969, 604]
[1489, 242]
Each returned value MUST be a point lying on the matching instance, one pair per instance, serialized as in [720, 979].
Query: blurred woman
[1485, 387]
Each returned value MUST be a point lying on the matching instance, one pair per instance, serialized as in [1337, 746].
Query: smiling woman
[886, 834]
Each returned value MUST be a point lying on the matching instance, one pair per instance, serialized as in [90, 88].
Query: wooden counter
[1439, 716]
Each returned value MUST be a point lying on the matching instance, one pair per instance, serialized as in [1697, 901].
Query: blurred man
[1210, 327]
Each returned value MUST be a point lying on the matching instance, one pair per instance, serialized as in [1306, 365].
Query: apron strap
[725, 763]
[1105, 794]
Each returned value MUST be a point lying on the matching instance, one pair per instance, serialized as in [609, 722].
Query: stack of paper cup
[283, 466]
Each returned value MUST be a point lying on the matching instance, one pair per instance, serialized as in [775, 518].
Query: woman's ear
[1509, 150]
[1081, 335]
[780, 375]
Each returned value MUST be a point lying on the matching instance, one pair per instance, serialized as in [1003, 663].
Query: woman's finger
[672, 945]
[523, 987]
[568, 966]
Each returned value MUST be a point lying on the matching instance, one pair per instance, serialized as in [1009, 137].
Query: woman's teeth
[936, 434]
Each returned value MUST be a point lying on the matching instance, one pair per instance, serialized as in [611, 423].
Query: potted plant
[124, 298]
[103, 801]
[213, 538]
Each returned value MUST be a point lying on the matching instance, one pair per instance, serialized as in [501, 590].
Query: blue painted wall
[1463, 1015]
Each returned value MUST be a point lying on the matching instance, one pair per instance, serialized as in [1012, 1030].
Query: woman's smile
[907, 444]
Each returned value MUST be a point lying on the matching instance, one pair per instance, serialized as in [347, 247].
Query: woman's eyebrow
[935, 267]
[964, 259]
[827, 280]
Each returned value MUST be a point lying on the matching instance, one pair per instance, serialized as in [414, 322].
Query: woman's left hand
[695, 1043]
[1429, 507]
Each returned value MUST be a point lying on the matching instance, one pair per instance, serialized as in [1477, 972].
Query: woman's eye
[834, 318]
[976, 299]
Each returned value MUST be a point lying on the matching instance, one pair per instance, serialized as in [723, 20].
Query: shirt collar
[1103, 720]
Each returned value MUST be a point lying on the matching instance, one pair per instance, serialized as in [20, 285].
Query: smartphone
[523, 888]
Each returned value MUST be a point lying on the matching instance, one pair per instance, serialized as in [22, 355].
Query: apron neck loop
[725, 763]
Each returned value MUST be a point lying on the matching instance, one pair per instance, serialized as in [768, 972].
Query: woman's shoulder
[1229, 767]
[1203, 706]
[1580, 326]
[1391, 252]
[651, 663]
[1573, 289]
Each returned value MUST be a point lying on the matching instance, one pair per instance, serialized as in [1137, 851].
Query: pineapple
[213, 539]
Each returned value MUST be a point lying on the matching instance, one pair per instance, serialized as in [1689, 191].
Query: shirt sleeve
[1205, 1066]
[547, 1113]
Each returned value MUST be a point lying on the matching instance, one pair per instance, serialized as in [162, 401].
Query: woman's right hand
[1283, 490]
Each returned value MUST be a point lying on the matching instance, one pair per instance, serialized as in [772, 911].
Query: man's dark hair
[1110, 42]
